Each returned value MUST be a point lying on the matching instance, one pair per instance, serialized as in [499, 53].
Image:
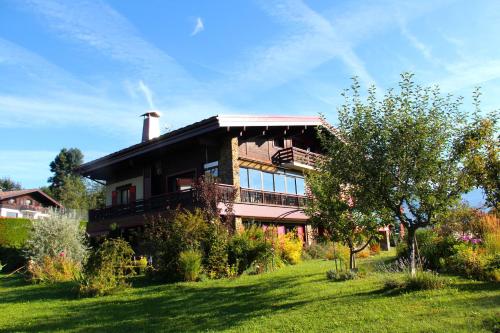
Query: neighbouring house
[32, 204]
[262, 158]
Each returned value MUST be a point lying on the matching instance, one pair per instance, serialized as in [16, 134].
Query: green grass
[293, 299]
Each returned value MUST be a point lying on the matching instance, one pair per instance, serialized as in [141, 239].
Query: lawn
[294, 299]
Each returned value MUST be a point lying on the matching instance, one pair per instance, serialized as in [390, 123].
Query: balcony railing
[297, 156]
[26, 207]
[272, 198]
[186, 198]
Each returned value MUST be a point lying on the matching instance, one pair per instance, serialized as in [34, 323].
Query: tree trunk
[352, 259]
[411, 251]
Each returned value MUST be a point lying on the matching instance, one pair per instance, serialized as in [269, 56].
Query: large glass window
[267, 181]
[290, 185]
[279, 183]
[244, 177]
[255, 179]
[301, 190]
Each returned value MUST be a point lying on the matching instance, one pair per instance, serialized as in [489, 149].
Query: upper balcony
[296, 158]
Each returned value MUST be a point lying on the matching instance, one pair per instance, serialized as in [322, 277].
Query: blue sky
[79, 73]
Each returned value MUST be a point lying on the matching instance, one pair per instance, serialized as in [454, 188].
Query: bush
[12, 258]
[337, 251]
[247, 246]
[469, 262]
[190, 264]
[53, 269]
[215, 245]
[316, 250]
[109, 267]
[335, 275]
[170, 234]
[291, 248]
[54, 237]
[423, 280]
[375, 248]
[365, 253]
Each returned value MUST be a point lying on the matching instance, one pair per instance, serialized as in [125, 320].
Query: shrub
[337, 251]
[316, 250]
[215, 245]
[53, 269]
[171, 233]
[190, 264]
[291, 248]
[334, 275]
[54, 237]
[365, 253]
[490, 233]
[1, 267]
[375, 248]
[425, 280]
[266, 262]
[109, 267]
[247, 246]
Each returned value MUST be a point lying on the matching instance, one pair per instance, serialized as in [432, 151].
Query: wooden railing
[272, 198]
[25, 207]
[294, 154]
[185, 198]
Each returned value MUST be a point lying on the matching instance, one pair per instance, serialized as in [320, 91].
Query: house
[262, 158]
[32, 204]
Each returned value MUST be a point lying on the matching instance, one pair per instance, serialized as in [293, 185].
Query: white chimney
[151, 125]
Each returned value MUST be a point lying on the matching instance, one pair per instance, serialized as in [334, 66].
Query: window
[12, 214]
[267, 181]
[254, 179]
[244, 177]
[289, 182]
[279, 142]
[28, 202]
[212, 168]
[290, 185]
[279, 183]
[301, 188]
[123, 196]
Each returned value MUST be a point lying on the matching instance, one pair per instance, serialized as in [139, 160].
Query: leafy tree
[63, 166]
[402, 153]
[7, 184]
[480, 142]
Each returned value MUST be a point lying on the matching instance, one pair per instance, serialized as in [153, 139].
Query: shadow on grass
[173, 308]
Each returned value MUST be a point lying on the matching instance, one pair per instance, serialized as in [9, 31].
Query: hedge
[14, 232]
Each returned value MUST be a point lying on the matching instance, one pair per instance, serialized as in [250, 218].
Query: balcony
[272, 198]
[186, 198]
[296, 158]
[25, 208]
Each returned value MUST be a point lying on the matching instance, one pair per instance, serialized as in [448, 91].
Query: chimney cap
[151, 114]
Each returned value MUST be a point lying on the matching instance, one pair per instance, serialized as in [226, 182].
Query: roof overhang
[196, 129]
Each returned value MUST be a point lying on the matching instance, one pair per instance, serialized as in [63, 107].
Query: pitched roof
[197, 128]
[18, 193]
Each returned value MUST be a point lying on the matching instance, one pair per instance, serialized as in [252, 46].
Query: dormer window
[28, 202]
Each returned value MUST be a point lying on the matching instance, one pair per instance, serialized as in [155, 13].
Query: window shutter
[114, 197]
[132, 193]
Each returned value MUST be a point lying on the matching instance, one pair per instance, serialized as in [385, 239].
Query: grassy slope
[294, 299]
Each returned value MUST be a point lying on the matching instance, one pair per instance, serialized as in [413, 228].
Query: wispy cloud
[417, 44]
[147, 94]
[198, 27]
[99, 26]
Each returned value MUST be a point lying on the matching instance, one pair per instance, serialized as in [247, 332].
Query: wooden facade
[159, 173]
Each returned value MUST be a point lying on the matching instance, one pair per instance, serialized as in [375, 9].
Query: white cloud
[99, 26]
[147, 94]
[198, 27]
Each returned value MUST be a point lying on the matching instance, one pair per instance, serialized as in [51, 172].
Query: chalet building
[262, 158]
[32, 204]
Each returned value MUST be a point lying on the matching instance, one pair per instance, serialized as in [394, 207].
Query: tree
[7, 184]
[481, 145]
[63, 166]
[402, 153]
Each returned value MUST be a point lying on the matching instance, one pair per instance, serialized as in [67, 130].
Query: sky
[80, 73]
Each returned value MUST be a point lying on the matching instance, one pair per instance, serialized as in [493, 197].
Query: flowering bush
[247, 246]
[291, 248]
